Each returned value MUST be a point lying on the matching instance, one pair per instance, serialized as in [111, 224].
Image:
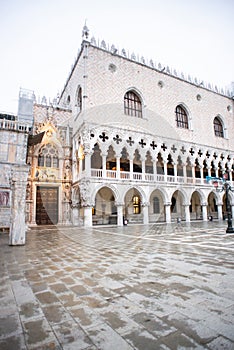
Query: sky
[39, 40]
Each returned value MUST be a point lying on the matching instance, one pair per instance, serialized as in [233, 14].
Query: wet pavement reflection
[162, 286]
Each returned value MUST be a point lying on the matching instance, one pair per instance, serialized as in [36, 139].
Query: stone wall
[13, 178]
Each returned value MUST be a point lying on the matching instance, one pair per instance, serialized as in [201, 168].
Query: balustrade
[6, 124]
[127, 175]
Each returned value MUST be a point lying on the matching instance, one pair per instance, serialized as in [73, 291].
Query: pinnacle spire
[85, 31]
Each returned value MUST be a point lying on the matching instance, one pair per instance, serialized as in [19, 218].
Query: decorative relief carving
[85, 195]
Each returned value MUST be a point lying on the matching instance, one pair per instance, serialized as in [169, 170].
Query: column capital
[145, 204]
[119, 204]
[186, 204]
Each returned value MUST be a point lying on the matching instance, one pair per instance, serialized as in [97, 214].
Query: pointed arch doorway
[46, 205]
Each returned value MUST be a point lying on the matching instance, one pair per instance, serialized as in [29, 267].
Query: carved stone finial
[133, 56]
[124, 53]
[103, 44]
[85, 32]
[93, 41]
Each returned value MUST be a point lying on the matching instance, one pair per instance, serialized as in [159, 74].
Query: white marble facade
[129, 140]
[134, 157]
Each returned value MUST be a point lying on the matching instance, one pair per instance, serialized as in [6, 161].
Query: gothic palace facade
[129, 139]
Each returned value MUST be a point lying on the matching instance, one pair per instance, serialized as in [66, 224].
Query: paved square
[136, 287]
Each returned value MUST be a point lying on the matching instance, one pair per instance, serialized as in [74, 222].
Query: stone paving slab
[168, 286]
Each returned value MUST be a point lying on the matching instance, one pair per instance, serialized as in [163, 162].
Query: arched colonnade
[109, 204]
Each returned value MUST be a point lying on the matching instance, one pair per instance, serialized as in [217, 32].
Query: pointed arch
[156, 205]
[137, 162]
[170, 166]
[124, 160]
[78, 99]
[149, 163]
[111, 158]
[196, 200]
[104, 210]
[48, 156]
[96, 158]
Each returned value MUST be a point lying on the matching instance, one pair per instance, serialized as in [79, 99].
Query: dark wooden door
[47, 205]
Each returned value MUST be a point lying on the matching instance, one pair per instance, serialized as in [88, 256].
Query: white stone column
[104, 165]
[165, 170]
[175, 171]
[18, 226]
[204, 212]
[145, 210]
[119, 214]
[118, 167]
[88, 164]
[193, 173]
[185, 172]
[131, 168]
[201, 172]
[143, 169]
[168, 212]
[209, 170]
[155, 169]
[220, 211]
[88, 216]
[187, 212]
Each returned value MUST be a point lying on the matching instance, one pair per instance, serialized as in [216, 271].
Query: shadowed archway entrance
[47, 205]
[104, 211]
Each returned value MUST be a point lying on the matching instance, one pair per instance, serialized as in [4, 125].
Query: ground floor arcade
[111, 204]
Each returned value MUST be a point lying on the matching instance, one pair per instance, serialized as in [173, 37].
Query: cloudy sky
[40, 39]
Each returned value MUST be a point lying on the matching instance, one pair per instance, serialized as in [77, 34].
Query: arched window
[132, 104]
[156, 205]
[96, 158]
[79, 98]
[181, 117]
[78, 103]
[48, 156]
[218, 127]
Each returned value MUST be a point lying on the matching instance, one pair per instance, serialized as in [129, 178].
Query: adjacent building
[13, 175]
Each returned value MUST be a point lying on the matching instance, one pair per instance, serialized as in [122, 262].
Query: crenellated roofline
[149, 63]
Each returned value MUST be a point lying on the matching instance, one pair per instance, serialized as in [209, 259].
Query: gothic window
[124, 160]
[132, 104]
[96, 158]
[79, 99]
[173, 205]
[218, 127]
[156, 205]
[136, 204]
[181, 117]
[48, 156]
